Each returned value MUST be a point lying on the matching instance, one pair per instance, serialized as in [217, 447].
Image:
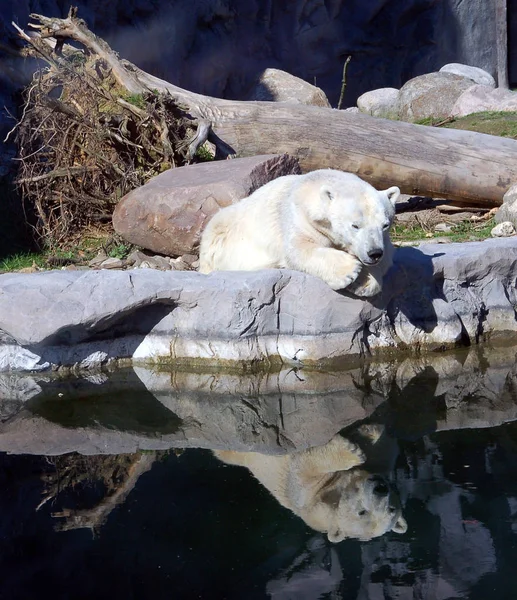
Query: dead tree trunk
[430, 161]
[448, 163]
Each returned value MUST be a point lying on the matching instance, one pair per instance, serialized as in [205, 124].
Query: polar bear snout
[380, 487]
[375, 255]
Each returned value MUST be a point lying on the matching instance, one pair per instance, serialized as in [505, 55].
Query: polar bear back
[246, 236]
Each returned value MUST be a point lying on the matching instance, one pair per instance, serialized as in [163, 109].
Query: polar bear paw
[366, 287]
[346, 450]
[343, 271]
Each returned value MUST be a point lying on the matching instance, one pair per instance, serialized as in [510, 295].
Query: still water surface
[152, 509]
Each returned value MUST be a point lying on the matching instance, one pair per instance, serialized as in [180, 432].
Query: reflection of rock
[435, 297]
[338, 489]
[273, 412]
[269, 412]
[316, 571]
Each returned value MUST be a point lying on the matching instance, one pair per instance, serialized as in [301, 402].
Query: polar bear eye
[386, 226]
[355, 226]
[361, 513]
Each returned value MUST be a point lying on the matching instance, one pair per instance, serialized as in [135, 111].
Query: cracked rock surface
[435, 297]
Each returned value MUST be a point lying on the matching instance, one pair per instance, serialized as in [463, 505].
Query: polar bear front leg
[336, 267]
[368, 284]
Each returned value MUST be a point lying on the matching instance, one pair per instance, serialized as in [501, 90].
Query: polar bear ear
[326, 194]
[400, 526]
[393, 194]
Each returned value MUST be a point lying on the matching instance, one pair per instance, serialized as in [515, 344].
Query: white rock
[443, 227]
[380, 103]
[504, 229]
[508, 210]
[475, 73]
[431, 95]
[480, 98]
[275, 85]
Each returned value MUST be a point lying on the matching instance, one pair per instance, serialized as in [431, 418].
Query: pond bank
[435, 297]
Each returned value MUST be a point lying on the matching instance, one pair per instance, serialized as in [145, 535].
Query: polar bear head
[355, 504]
[350, 212]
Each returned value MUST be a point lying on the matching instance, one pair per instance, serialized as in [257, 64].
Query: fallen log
[425, 161]
[428, 161]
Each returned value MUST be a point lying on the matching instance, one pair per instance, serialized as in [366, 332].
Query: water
[149, 510]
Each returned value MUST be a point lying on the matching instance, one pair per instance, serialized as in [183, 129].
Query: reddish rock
[167, 214]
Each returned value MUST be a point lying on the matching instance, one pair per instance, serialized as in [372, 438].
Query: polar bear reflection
[331, 487]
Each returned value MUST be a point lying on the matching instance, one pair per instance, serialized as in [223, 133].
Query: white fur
[330, 486]
[323, 223]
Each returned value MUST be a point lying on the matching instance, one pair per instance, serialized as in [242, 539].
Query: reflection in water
[118, 476]
[428, 445]
[333, 487]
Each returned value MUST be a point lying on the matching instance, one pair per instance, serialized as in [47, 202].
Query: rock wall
[220, 47]
[435, 296]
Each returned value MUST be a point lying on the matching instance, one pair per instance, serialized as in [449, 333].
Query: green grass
[204, 155]
[85, 249]
[463, 232]
[137, 100]
[120, 250]
[21, 261]
[502, 124]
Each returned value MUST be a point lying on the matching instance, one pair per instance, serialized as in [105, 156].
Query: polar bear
[331, 487]
[327, 223]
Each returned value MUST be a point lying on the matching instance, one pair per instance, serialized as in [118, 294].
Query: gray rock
[274, 85]
[190, 259]
[508, 209]
[480, 98]
[136, 258]
[167, 214]
[504, 229]
[431, 95]
[98, 260]
[112, 263]
[179, 265]
[435, 297]
[157, 262]
[477, 75]
[380, 103]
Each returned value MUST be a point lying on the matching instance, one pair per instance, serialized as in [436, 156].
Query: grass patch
[502, 124]
[80, 253]
[23, 260]
[467, 231]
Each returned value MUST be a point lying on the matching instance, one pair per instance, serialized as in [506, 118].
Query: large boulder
[477, 75]
[431, 95]
[435, 297]
[480, 98]
[275, 85]
[380, 103]
[168, 213]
